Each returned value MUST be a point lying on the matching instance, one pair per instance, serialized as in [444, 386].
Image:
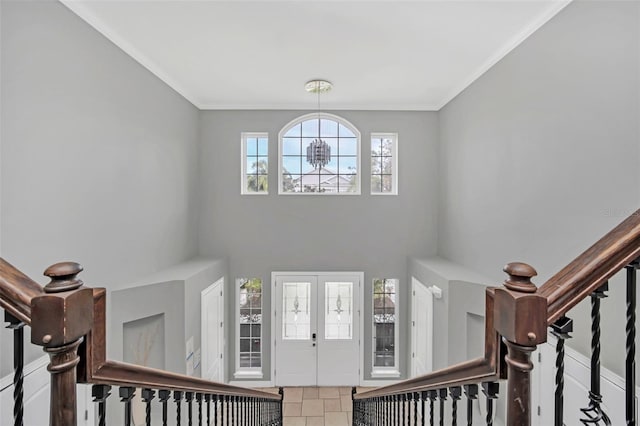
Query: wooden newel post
[520, 316]
[59, 320]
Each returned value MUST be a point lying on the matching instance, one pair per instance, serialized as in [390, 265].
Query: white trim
[85, 14]
[321, 115]
[378, 383]
[252, 383]
[335, 107]
[243, 161]
[381, 374]
[394, 156]
[218, 284]
[248, 372]
[42, 362]
[504, 50]
[360, 276]
[386, 371]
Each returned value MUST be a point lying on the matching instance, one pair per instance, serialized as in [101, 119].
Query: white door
[212, 337]
[317, 330]
[421, 329]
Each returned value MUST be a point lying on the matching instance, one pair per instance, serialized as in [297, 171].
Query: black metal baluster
[423, 397]
[431, 394]
[471, 392]
[188, 396]
[630, 360]
[18, 367]
[396, 409]
[147, 397]
[442, 396]
[177, 398]
[126, 394]
[216, 399]
[164, 396]
[226, 403]
[416, 397]
[389, 410]
[455, 392]
[594, 413]
[100, 393]
[404, 409]
[207, 399]
[561, 329]
[199, 401]
[490, 390]
[234, 409]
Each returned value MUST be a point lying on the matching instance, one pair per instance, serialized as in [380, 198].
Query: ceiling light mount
[318, 86]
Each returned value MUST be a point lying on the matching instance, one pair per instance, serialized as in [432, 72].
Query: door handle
[313, 337]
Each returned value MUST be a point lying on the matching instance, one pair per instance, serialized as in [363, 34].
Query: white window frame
[394, 156]
[385, 372]
[328, 116]
[243, 161]
[248, 372]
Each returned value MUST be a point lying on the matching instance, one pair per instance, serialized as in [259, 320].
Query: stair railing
[68, 320]
[518, 315]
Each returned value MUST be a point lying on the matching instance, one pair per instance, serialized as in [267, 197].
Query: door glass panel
[296, 322]
[338, 310]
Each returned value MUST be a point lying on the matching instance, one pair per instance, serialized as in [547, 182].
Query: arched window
[319, 154]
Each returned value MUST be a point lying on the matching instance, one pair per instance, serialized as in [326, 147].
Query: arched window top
[329, 138]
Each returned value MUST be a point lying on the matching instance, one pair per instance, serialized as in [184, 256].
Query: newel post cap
[63, 277]
[520, 275]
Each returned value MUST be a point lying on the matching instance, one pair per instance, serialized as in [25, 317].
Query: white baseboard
[378, 383]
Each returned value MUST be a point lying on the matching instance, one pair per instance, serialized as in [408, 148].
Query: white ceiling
[397, 55]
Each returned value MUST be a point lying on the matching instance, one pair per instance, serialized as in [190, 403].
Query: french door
[317, 329]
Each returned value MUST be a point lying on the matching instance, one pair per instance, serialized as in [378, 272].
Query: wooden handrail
[592, 268]
[123, 374]
[469, 372]
[69, 317]
[485, 369]
[16, 291]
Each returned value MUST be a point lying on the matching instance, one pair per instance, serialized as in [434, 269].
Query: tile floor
[312, 406]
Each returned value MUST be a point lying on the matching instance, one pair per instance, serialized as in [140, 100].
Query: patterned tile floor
[311, 406]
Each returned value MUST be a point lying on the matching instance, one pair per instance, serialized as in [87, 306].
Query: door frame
[218, 284]
[360, 276]
[414, 284]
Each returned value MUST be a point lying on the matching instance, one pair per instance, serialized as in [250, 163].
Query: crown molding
[86, 15]
[505, 50]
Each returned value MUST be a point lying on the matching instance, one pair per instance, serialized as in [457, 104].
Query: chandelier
[318, 151]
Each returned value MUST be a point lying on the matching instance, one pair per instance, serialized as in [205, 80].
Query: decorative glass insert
[255, 163]
[296, 318]
[383, 163]
[250, 301]
[384, 322]
[338, 314]
[338, 172]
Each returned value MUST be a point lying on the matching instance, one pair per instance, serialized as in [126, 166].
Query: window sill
[385, 374]
[247, 374]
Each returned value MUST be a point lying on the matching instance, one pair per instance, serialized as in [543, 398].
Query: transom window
[384, 163]
[255, 163]
[319, 154]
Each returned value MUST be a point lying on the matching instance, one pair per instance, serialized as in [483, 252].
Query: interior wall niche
[143, 341]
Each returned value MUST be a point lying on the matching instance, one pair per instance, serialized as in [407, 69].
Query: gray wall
[539, 157]
[98, 156]
[374, 234]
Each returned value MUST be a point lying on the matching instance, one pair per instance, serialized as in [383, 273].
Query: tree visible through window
[255, 163]
[337, 144]
[383, 163]
[384, 322]
[250, 304]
